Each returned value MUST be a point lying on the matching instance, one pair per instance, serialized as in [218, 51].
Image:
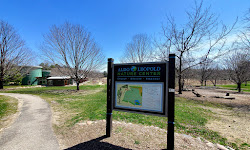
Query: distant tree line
[199, 44]
[47, 66]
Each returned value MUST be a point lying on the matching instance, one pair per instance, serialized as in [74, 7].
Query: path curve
[32, 130]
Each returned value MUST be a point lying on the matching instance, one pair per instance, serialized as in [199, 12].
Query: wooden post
[109, 98]
[171, 101]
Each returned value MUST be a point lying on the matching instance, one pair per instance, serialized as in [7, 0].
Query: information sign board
[140, 87]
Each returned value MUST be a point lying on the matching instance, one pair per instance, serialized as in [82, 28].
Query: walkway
[32, 130]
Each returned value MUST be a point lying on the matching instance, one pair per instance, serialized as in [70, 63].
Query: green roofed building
[35, 75]
[43, 80]
[31, 78]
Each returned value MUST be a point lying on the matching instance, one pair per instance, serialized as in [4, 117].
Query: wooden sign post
[109, 98]
[146, 88]
[171, 102]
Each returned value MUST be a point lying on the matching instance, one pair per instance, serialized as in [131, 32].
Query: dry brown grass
[234, 125]
[194, 82]
[233, 122]
[241, 101]
[125, 136]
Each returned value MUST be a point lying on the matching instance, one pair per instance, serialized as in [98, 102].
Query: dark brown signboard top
[153, 72]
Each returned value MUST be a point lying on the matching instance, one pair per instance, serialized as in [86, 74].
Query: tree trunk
[1, 84]
[215, 82]
[205, 82]
[1, 78]
[245, 83]
[180, 85]
[239, 87]
[1, 74]
[77, 86]
[180, 77]
[201, 82]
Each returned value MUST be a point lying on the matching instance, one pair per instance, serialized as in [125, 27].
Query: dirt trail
[230, 123]
[241, 101]
[90, 135]
[234, 126]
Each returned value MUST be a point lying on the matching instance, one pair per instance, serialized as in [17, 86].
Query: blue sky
[111, 22]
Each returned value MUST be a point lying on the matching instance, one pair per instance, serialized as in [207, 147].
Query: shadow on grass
[96, 144]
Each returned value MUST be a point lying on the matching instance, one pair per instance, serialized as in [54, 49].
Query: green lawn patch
[244, 87]
[15, 86]
[8, 106]
[44, 90]
[55, 92]
[190, 116]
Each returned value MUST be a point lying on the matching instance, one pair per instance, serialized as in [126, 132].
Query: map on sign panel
[145, 96]
[129, 95]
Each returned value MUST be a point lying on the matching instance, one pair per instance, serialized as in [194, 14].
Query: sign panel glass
[143, 96]
[140, 87]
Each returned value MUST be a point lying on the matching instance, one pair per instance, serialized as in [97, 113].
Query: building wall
[30, 78]
[46, 73]
[25, 80]
[58, 82]
[42, 81]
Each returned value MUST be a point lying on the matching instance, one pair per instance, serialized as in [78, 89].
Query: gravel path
[241, 101]
[32, 129]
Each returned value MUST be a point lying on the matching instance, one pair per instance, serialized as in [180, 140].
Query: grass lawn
[190, 115]
[244, 88]
[15, 86]
[8, 106]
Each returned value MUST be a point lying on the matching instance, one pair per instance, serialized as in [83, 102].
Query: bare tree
[189, 76]
[205, 71]
[14, 54]
[45, 65]
[72, 47]
[138, 50]
[238, 66]
[245, 40]
[216, 74]
[245, 35]
[198, 38]
[247, 19]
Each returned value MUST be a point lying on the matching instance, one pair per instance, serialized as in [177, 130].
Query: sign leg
[171, 102]
[109, 98]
